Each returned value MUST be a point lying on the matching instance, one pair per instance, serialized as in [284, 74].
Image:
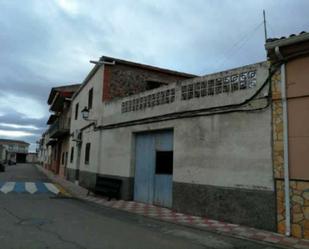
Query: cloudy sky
[49, 43]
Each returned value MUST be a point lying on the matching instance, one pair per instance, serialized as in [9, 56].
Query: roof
[11, 141]
[130, 63]
[66, 88]
[285, 41]
[145, 66]
[287, 48]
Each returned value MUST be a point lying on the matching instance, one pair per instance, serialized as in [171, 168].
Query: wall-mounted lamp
[85, 115]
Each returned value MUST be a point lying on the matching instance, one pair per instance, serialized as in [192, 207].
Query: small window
[164, 162]
[87, 153]
[72, 155]
[76, 111]
[90, 97]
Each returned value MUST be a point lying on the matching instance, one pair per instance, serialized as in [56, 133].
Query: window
[66, 158]
[72, 155]
[62, 159]
[87, 153]
[90, 97]
[164, 162]
[152, 84]
[76, 111]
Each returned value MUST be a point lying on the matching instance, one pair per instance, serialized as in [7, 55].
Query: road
[43, 220]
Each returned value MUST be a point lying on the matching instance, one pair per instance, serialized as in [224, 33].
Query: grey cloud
[43, 45]
[12, 117]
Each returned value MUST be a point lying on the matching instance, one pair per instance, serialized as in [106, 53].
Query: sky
[49, 43]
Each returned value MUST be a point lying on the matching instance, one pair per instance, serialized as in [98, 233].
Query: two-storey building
[56, 138]
[199, 145]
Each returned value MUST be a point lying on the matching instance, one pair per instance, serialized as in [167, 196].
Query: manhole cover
[34, 222]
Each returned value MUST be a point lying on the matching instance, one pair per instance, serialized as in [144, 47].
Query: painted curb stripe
[51, 187]
[30, 187]
[7, 187]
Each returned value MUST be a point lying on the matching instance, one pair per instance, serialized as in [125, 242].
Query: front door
[154, 168]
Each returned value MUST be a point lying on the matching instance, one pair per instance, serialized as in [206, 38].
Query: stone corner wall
[299, 197]
[299, 190]
[277, 126]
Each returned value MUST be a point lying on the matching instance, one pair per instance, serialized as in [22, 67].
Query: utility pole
[265, 29]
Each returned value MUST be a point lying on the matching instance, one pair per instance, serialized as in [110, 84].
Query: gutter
[285, 145]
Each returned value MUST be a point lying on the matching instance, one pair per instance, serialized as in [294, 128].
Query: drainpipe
[285, 147]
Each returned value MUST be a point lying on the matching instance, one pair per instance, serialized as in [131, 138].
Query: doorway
[154, 168]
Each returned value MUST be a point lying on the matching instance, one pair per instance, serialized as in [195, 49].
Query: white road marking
[7, 187]
[51, 187]
[30, 187]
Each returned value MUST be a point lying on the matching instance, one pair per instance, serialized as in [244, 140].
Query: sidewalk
[168, 215]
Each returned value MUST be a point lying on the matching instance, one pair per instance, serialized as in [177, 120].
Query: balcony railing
[59, 128]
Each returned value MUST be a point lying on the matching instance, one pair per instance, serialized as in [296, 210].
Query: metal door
[150, 185]
[144, 167]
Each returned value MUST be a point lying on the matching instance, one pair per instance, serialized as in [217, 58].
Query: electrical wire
[238, 45]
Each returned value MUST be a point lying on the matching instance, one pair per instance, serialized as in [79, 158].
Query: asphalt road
[42, 220]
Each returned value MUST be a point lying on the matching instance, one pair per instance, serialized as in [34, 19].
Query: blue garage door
[154, 168]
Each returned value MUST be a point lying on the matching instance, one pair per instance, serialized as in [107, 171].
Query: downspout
[285, 146]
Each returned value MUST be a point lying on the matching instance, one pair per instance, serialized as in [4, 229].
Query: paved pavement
[46, 220]
[271, 239]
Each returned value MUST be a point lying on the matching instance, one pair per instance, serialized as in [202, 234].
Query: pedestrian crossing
[28, 187]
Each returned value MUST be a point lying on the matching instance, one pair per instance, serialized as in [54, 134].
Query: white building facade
[199, 145]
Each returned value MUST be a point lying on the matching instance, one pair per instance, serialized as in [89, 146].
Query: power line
[239, 44]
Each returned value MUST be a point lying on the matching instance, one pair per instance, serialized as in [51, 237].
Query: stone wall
[277, 124]
[299, 196]
[124, 80]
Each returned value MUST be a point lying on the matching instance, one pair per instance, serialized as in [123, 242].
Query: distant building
[32, 157]
[15, 150]
[54, 144]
